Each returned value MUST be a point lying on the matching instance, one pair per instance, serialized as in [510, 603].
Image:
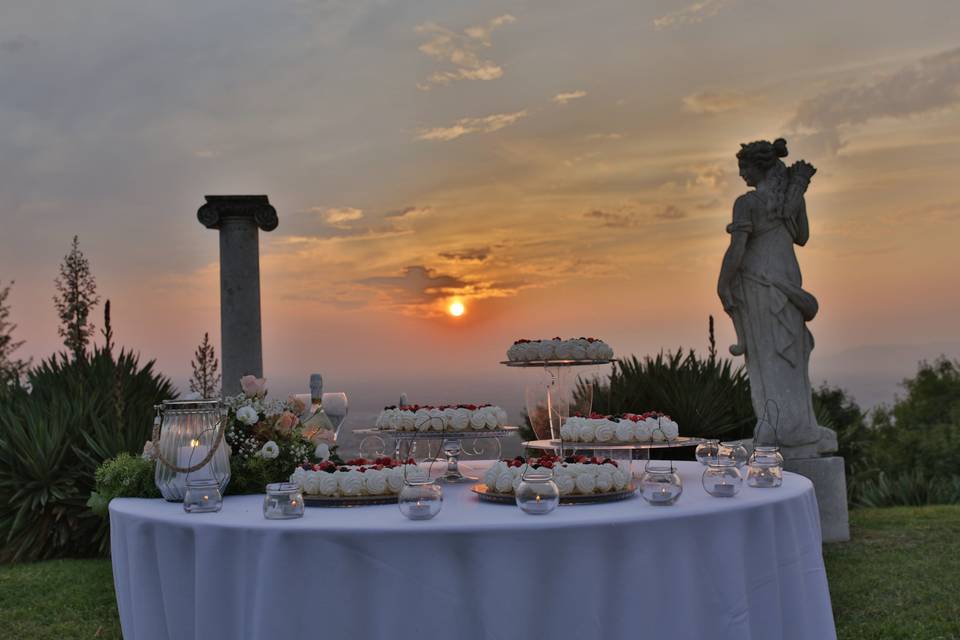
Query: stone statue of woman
[760, 287]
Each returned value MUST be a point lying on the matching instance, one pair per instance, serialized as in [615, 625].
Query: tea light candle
[662, 494]
[538, 505]
[724, 490]
[419, 509]
[193, 454]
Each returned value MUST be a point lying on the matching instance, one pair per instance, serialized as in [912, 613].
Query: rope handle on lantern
[178, 469]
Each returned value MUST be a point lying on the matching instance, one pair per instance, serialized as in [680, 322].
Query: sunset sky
[563, 168]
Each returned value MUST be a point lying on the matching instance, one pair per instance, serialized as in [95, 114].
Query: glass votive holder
[283, 501]
[202, 496]
[660, 486]
[765, 469]
[537, 493]
[707, 451]
[722, 478]
[735, 451]
[420, 500]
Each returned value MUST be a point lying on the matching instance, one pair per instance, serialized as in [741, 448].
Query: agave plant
[73, 415]
[706, 396]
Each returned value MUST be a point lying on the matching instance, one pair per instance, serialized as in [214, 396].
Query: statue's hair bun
[780, 147]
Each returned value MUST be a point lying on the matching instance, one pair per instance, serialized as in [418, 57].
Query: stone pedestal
[830, 484]
[239, 220]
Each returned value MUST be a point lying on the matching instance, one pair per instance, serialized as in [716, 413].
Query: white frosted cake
[458, 417]
[625, 428]
[380, 477]
[574, 475]
[558, 349]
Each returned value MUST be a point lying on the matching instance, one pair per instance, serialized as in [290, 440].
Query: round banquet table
[748, 567]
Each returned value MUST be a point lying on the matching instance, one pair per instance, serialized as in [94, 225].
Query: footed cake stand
[561, 447]
[452, 445]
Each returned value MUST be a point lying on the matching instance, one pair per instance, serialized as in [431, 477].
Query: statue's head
[756, 159]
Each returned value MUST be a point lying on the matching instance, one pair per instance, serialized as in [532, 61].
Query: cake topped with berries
[574, 475]
[453, 417]
[357, 477]
[624, 428]
[558, 349]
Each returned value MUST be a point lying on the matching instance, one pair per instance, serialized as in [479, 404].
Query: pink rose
[296, 405]
[253, 386]
[286, 422]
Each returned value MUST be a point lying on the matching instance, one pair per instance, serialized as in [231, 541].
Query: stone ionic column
[239, 219]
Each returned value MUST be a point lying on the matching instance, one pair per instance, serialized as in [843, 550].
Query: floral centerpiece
[267, 438]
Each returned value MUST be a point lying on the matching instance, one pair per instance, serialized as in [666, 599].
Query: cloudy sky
[564, 168]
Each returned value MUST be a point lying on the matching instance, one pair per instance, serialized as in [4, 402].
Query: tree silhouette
[77, 295]
[205, 380]
[10, 369]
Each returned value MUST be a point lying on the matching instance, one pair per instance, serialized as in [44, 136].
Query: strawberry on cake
[558, 349]
[358, 477]
[624, 428]
[454, 417]
[574, 475]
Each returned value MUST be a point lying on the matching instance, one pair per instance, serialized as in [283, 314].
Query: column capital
[257, 209]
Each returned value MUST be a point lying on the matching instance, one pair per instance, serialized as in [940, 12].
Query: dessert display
[559, 349]
[457, 417]
[574, 475]
[625, 428]
[358, 477]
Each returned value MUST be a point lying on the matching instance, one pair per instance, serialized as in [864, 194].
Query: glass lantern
[202, 496]
[420, 497]
[765, 469]
[283, 501]
[722, 478]
[188, 438]
[660, 484]
[735, 451]
[537, 493]
[707, 451]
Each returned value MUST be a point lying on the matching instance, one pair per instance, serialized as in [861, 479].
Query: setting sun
[456, 308]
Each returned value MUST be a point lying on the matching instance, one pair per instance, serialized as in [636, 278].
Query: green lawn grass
[898, 579]
[900, 576]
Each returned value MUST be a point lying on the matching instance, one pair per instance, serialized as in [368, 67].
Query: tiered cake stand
[451, 445]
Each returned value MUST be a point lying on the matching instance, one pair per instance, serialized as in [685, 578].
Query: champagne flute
[335, 405]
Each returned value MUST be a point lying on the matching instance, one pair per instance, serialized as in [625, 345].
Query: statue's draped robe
[766, 291]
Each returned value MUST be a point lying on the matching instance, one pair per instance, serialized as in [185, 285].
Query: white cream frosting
[557, 349]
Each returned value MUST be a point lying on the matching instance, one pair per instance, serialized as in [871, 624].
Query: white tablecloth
[744, 568]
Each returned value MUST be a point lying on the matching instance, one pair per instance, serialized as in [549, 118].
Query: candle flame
[194, 443]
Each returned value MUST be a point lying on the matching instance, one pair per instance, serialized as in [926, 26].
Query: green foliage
[706, 396]
[76, 414]
[125, 476]
[76, 297]
[11, 369]
[836, 410]
[907, 489]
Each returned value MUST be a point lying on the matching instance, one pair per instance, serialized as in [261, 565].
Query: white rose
[585, 433]
[395, 419]
[625, 430]
[322, 452]
[248, 416]
[586, 483]
[621, 478]
[413, 473]
[313, 482]
[436, 419]
[489, 417]
[394, 479]
[606, 351]
[502, 417]
[408, 421]
[578, 349]
[351, 483]
[604, 479]
[659, 431]
[504, 483]
[270, 450]
[376, 482]
[568, 432]
[460, 420]
[605, 431]
[490, 477]
[565, 482]
[515, 352]
[478, 419]
[329, 483]
[670, 428]
[547, 350]
[298, 476]
[644, 429]
[421, 420]
[595, 350]
[531, 351]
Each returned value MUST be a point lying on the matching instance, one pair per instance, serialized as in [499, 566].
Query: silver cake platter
[553, 445]
[553, 363]
[486, 495]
